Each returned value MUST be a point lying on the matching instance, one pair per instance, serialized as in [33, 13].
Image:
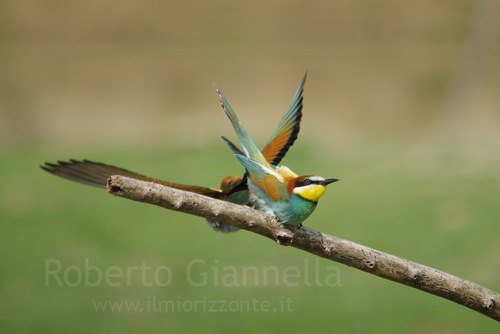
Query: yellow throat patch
[312, 192]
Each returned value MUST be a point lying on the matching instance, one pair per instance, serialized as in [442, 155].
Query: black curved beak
[328, 181]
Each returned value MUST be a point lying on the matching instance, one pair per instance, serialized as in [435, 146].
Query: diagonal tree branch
[381, 264]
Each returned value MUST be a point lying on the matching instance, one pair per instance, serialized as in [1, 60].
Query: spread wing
[97, 174]
[287, 130]
[249, 147]
[265, 178]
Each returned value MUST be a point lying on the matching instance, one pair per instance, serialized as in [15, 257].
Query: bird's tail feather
[97, 174]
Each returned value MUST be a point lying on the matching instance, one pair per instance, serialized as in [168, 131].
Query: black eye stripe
[305, 182]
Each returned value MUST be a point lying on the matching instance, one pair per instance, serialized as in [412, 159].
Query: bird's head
[310, 187]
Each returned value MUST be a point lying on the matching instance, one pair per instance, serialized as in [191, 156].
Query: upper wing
[247, 143]
[266, 179]
[97, 174]
[287, 130]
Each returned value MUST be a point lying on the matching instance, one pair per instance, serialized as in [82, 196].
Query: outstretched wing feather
[287, 130]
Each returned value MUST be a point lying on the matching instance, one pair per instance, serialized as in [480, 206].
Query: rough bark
[372, 261]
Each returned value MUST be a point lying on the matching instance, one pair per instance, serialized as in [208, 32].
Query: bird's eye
[307, 181]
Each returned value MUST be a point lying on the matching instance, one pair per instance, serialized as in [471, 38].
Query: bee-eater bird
[275, 190]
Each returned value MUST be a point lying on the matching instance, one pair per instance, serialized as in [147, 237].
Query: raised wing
[287, 130]
[265, 178]
[97, 174]
[249, 147]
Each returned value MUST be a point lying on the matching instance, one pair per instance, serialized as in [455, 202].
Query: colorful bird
[275, 190]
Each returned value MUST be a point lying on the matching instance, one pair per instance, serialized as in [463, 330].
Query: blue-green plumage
[280, 141]
[276, 190]
[299, 209]
[289, 212]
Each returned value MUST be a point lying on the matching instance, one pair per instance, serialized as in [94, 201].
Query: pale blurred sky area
[86, 71]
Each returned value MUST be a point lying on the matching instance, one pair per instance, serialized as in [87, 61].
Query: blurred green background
[401, 103]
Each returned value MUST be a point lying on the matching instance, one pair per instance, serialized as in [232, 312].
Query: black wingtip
[233, 147]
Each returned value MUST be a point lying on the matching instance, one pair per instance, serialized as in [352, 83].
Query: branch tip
[115, 185]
